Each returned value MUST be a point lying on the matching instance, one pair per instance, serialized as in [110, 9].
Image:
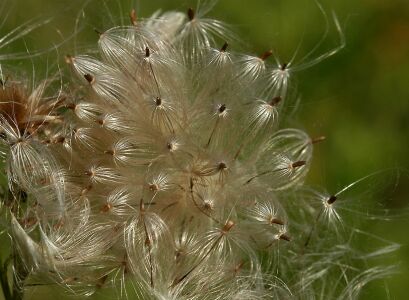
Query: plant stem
[14, 292]
[19, 278]
[4, 280]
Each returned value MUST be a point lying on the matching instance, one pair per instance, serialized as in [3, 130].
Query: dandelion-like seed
[168, 175]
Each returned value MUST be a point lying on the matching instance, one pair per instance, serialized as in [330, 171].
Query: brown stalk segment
[318, 139]
[266, 55]
[228, 226]
[68, 59]
[276, 221]
[298, 164]
[133, 17]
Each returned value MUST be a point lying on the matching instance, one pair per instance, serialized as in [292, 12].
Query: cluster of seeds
[167, 174]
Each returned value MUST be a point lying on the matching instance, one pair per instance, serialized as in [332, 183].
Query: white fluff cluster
[168, 176]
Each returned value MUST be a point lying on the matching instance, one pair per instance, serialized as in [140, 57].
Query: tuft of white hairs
[165, 173]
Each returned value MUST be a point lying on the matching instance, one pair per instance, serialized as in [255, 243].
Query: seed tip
[228, 226]
[97, 31]
[266, 55]
[133, 17]
[318, 139]
[68, 59]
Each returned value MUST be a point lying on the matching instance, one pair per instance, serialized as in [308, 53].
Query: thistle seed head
[169, 170]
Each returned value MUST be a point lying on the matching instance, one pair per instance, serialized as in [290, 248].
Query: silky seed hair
[165, 173]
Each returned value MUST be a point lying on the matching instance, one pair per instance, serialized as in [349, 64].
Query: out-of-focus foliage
[359, 98]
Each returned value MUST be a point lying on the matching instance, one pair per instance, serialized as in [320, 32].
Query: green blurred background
[358, 98]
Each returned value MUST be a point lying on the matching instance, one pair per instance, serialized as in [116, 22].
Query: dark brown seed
[89, 78]
[153, 187]
[191, 14]
[285, 237]
[222, 108]
[332, 199]
[276, 221]
[70, 106]
[275, 101]
[221, 166]
[299, 163]
[59, 140]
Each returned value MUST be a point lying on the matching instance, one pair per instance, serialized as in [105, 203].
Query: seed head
[168, 170]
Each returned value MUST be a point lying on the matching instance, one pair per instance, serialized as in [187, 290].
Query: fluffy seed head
[170, 170]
